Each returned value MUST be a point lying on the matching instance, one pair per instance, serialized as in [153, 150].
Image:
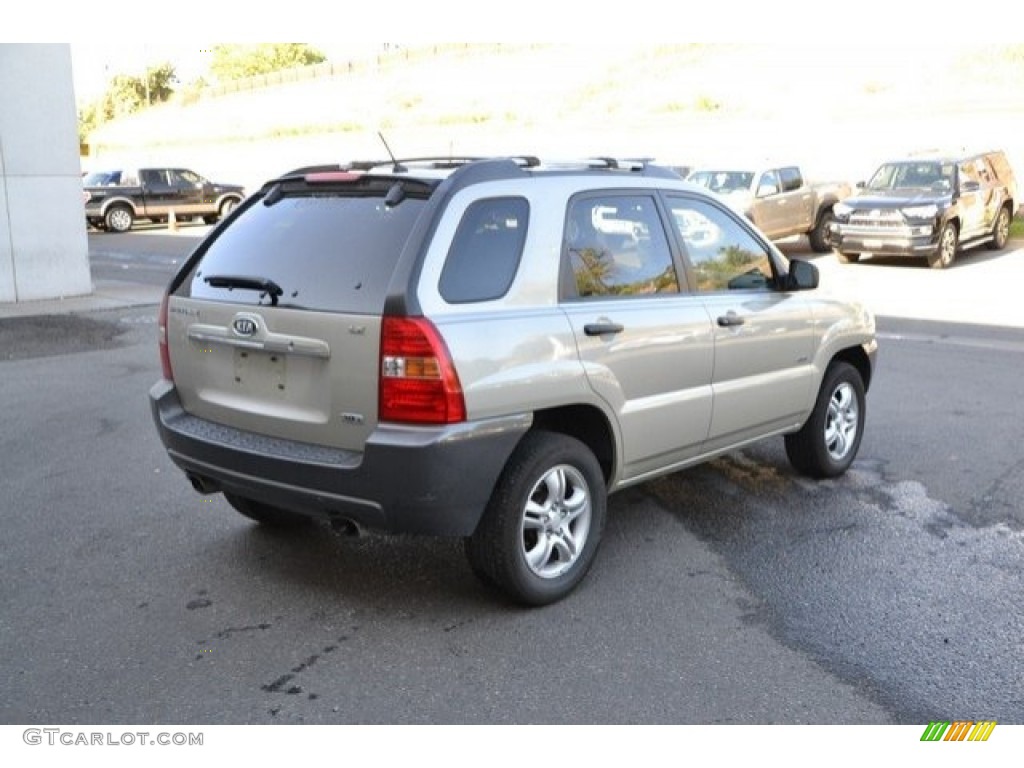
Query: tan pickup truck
[777, 199]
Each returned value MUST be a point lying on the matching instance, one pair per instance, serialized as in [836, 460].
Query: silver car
[488, 348]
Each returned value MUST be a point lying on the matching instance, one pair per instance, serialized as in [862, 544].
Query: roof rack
[640, 165]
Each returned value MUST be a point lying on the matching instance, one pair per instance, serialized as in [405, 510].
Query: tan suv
[487, 348]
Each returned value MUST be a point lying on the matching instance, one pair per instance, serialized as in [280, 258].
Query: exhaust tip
[345, 527]
[202, 485]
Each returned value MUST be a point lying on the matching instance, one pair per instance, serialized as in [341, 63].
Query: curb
[106, 295]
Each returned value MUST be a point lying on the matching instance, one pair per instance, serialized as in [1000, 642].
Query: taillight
[165, 354]
[418, 382]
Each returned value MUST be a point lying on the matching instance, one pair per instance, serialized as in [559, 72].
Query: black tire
[118, 218]
[827, 444]
[819, 237]
[227, 207]
[1000, 230]
[845, 257]
[549, 503]
[210, 219]
[945, 254]
[264, 514]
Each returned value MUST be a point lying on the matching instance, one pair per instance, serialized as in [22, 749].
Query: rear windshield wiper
[262, 284]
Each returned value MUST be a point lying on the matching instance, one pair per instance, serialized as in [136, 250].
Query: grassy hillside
[836, 109]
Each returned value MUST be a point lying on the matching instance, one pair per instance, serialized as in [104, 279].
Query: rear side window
[326, 252]
[485, 253]
[1001, 166]
[791, 180]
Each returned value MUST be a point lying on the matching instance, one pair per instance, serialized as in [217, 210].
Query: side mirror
[803, 276]
[861, 184]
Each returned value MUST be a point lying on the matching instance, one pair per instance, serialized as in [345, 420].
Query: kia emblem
[244, 326]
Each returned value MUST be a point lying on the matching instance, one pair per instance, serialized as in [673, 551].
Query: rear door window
[791, 179]
[617, 246]
[327, 252]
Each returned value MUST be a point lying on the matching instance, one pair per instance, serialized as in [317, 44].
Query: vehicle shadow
[420, 574]
[799, 247]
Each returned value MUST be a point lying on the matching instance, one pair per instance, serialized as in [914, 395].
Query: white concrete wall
[44, 252]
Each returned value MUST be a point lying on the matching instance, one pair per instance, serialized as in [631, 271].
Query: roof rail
[639, 165]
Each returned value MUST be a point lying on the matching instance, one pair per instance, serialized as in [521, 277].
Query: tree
[234, 62]
[127, 94]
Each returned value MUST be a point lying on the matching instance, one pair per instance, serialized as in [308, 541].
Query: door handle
[600, 329]
[730, 319]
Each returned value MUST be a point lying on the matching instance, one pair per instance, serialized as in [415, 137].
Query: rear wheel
[846, 257]
[119, 218]
[541, 529]
[946, 253]
[828, 442]
[1001, 230]
[819, 236]
[272, 517]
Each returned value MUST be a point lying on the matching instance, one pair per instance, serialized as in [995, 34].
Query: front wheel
[946, 253]
[541, 529]
[227, 207]
[827, 444]
[819, 236]
[1001, 230]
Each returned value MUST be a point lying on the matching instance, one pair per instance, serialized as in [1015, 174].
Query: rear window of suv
[326, 252]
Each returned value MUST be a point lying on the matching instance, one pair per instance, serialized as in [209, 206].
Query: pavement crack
[226, 633]
[278, 685]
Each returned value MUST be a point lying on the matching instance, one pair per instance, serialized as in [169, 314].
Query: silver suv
[487, 348]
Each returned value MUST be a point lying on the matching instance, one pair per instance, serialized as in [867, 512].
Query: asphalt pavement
[734, 592]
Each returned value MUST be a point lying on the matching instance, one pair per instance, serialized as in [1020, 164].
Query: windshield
[913, 175]
[723, 182]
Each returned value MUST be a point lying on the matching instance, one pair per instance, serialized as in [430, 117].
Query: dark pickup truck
[115, 199]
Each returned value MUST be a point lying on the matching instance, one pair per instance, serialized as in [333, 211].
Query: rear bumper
[424, 480]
